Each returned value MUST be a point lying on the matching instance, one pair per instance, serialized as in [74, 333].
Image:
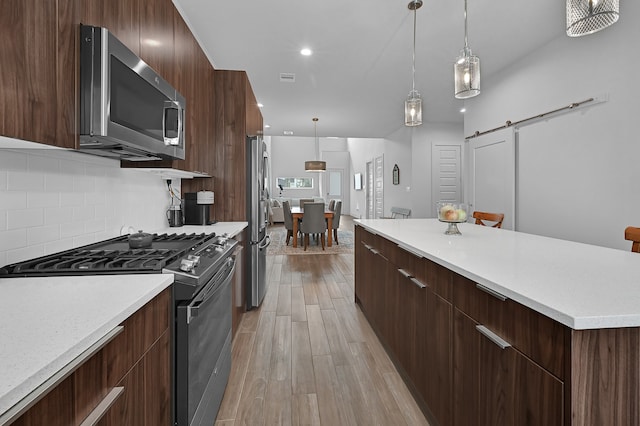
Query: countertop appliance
[127, 110]
[197, 208]
[203, 265]
[257, 213]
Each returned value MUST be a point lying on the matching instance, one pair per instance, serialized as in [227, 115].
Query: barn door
[492, 174]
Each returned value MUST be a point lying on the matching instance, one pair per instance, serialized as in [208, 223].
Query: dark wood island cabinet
[472, 356]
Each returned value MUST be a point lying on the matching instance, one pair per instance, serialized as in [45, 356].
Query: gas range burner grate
[112, 256]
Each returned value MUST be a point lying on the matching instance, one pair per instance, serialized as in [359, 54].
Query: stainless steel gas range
[203, 265]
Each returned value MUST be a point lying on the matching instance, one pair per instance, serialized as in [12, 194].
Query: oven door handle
[194, 306]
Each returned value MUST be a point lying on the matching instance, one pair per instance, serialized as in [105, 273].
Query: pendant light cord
[466, 45]
[415, 9]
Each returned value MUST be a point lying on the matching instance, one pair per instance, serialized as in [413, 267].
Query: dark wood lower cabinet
[457, 374]
[137, 359]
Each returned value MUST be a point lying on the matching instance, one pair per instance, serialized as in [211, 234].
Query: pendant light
[315, 165]
[590, 16]
[413, 104]
[466, 70]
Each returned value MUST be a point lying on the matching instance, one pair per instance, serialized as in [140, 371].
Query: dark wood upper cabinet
[121, 18]
[156, 36]
[29, 73]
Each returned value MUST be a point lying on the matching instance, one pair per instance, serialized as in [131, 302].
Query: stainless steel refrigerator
[258, 214]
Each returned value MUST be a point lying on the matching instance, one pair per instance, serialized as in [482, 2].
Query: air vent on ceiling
[287, 77]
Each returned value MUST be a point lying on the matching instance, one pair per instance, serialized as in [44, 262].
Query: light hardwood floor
[308, 356]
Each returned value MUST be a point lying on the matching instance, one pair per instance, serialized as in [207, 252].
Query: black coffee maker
[197, 208]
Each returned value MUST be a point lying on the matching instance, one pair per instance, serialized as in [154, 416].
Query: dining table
[298, 213]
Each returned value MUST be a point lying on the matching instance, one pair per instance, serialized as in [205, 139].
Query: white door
[446, 174]
[370, 192]
[492, 174]
[379, 187]
[333, 183]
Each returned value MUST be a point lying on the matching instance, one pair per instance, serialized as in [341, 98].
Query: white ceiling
[360, 72]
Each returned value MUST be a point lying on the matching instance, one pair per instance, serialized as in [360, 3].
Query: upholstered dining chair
[304, 201]
[313, 222]
[480, 217]
[288, 220]
[332, 205]
[336, 220]
[633, 234]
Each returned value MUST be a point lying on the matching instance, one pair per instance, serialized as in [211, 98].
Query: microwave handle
[171, 105]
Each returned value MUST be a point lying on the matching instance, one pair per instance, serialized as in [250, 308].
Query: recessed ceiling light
[306, 52]
[266, 126]
[260, 105]
[288, 132]
[463, 110]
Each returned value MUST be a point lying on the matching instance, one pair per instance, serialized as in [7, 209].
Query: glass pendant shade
[590, 16]
[315, 166]
[413, 109]
[466, 75]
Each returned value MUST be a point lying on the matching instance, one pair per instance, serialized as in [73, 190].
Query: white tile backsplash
[24, 218]
[12, 160]
[43, 234]
[53, 200]
[25, 181]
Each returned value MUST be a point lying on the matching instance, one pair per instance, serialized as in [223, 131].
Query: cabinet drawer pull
[493, 337]
[410, 250]
[491, 292]
[367, 246]
[374, 251]
[417, 282]
[101, 409]
[405, 273]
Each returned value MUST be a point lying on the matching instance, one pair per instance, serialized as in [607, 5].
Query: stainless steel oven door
[203, 350]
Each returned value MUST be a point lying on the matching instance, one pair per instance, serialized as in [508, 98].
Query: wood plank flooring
[308, 356]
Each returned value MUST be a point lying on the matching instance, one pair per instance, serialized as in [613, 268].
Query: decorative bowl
[451, 213]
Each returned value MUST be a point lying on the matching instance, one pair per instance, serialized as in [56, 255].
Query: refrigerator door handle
[265, 242]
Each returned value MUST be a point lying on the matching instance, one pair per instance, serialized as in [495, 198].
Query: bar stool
[491, 217]
[633, 234]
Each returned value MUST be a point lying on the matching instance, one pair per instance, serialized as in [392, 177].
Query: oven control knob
[190, 263]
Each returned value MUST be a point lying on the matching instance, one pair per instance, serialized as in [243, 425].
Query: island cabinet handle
[374, 251]
[405, 273]
[417, 282]
[491, 292]
[410, 250]
[101, 409]
[367, 246]
[493, 337]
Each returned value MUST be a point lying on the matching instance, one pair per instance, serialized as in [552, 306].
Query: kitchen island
[515, 328]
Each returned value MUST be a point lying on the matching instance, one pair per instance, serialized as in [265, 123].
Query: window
[295, 182]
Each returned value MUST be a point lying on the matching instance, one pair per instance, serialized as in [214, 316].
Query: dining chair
[480, 217]
[633, 234]
[304, 201]
[313, 222]
[336, 220]
[288, 220]
[332, 205]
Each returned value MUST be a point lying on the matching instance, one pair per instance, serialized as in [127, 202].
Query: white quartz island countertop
[579, 285]
[47, 322]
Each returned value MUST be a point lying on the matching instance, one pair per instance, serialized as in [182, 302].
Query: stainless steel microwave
[127, 110]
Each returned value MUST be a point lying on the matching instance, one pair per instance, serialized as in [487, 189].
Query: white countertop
[579, 285]
[230, 228]
[47, 322]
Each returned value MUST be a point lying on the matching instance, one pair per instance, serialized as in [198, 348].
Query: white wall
[53, 200]
[288, 154]
[577, 174]
[362, 150]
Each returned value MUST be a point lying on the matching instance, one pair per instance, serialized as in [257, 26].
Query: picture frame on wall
[357, 181]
